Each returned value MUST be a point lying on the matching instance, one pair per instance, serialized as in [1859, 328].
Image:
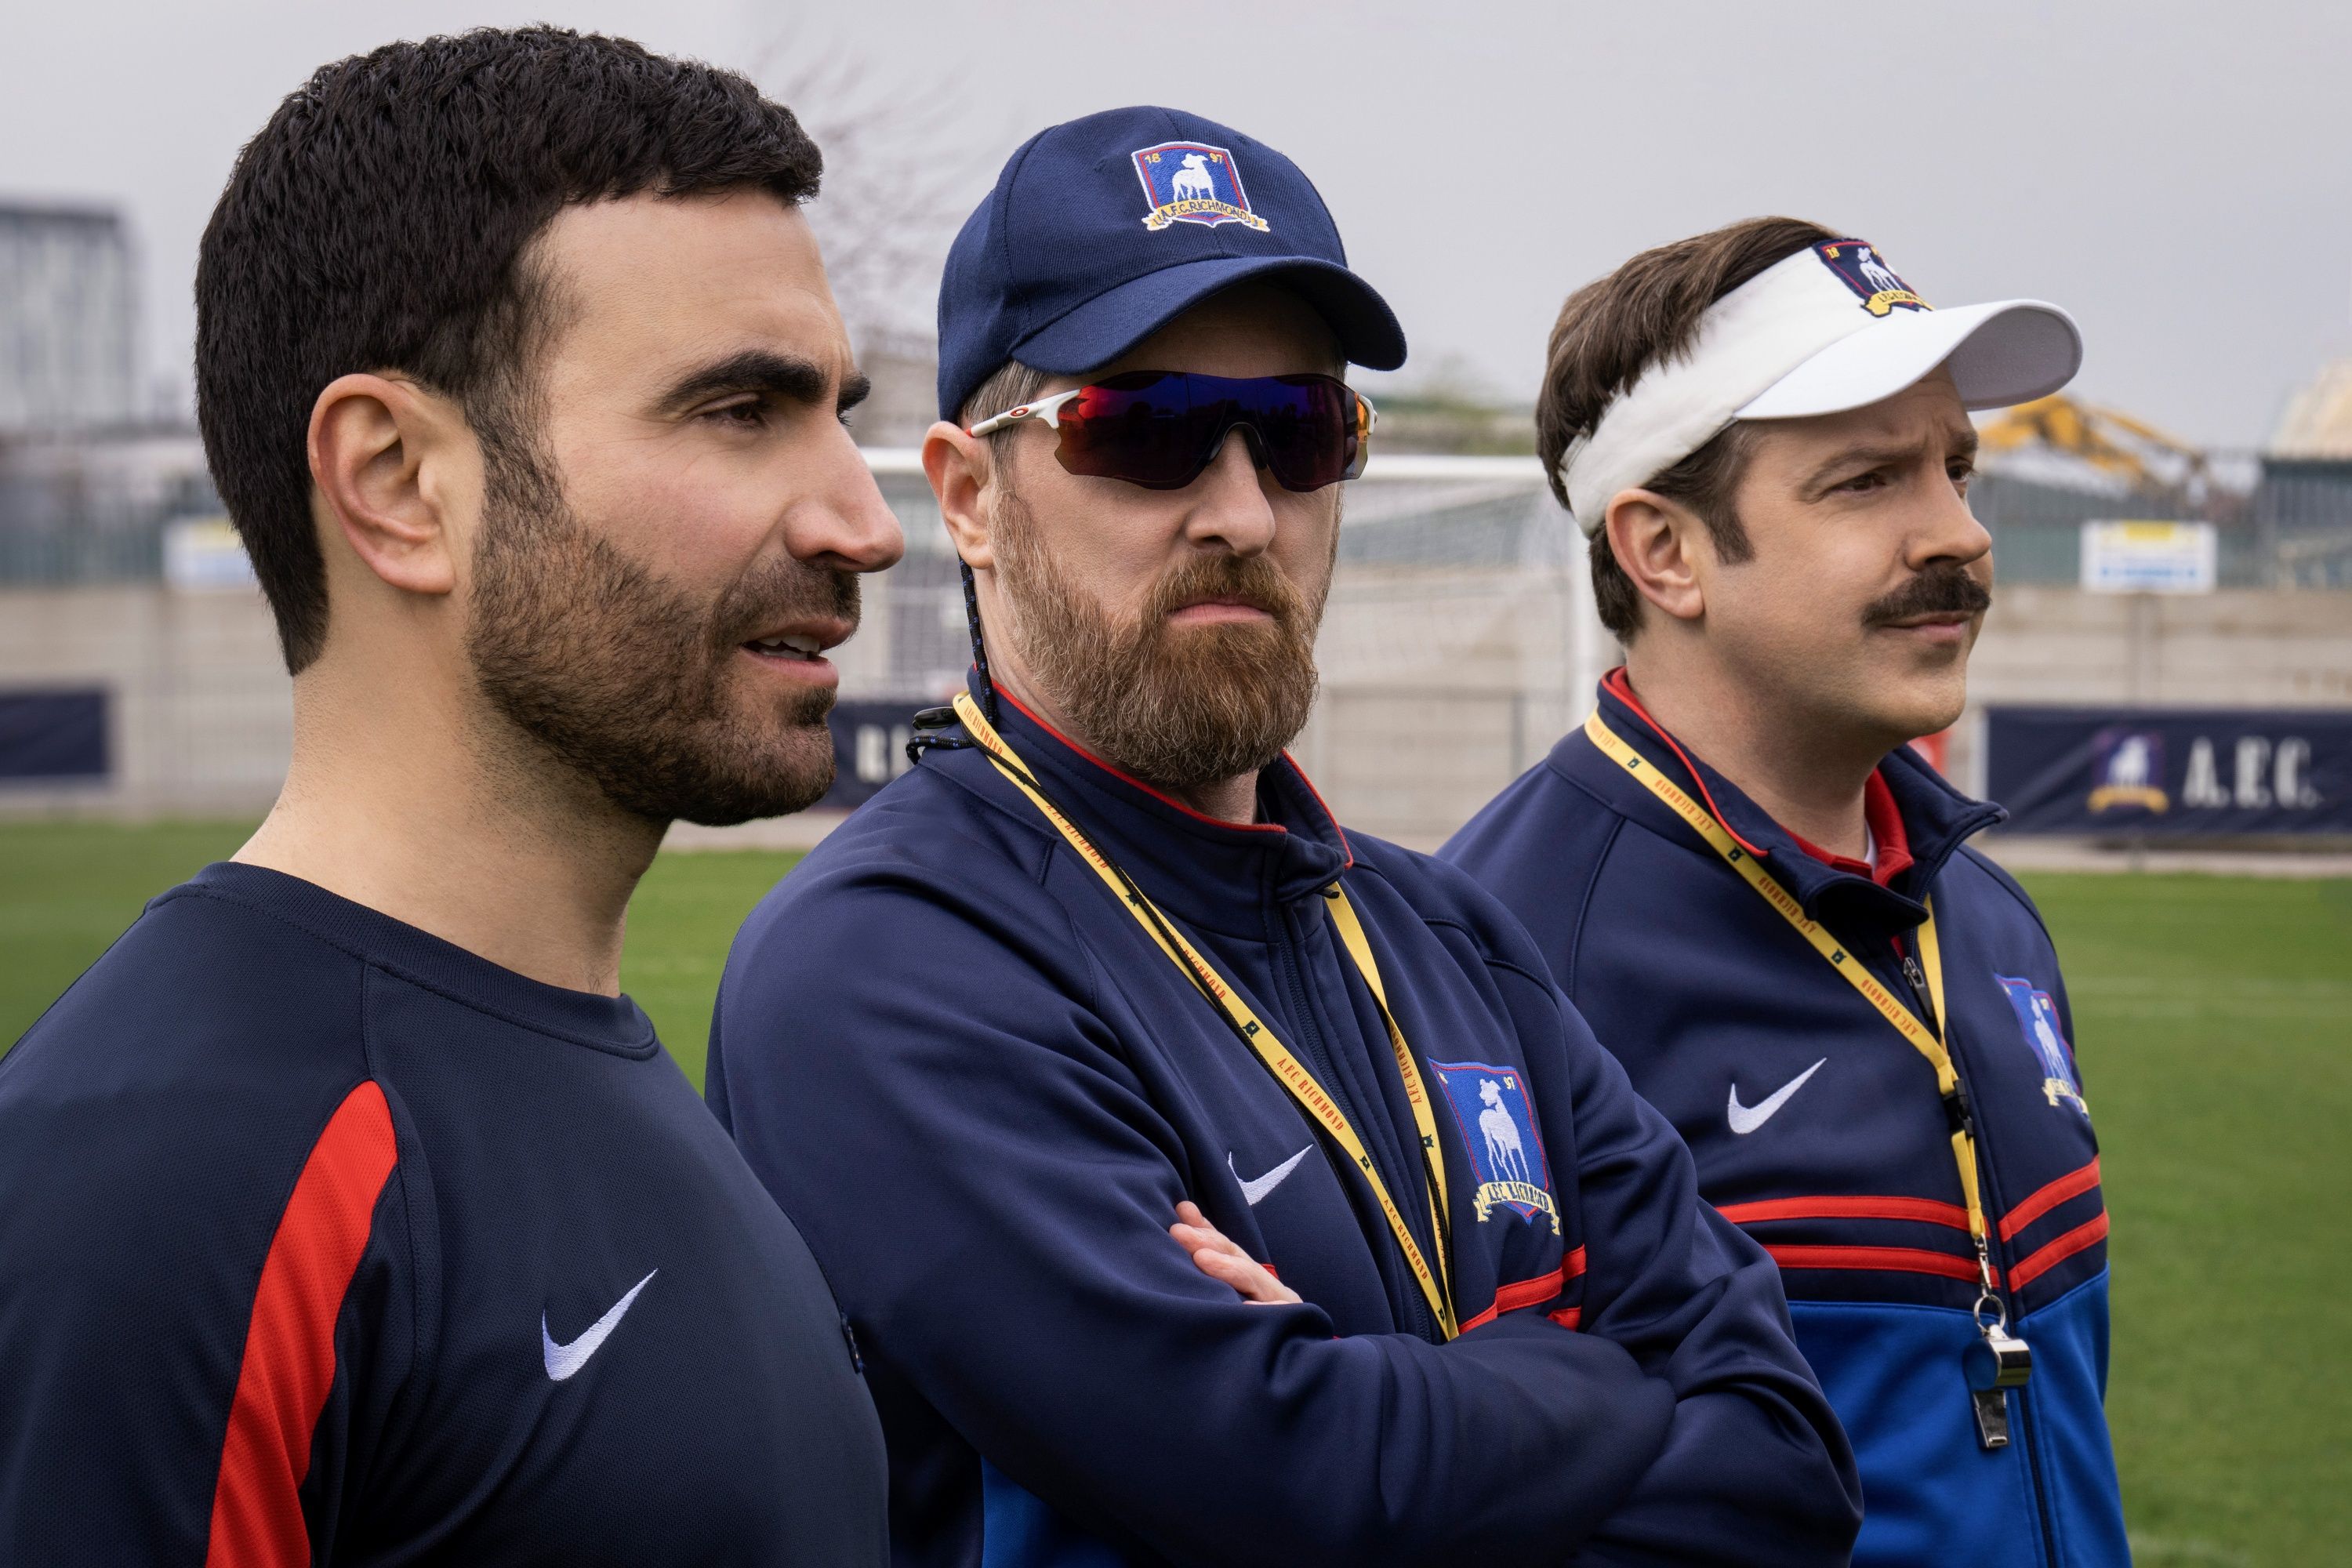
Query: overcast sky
[2179, 176]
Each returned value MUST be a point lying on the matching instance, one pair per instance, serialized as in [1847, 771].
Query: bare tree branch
[901, 168]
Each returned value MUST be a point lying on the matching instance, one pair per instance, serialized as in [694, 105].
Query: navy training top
[980, 1090]
[322, 1240]
[1817, 1129]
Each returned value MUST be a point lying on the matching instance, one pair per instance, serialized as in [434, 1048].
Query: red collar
[1885, 822]
[1879, 811]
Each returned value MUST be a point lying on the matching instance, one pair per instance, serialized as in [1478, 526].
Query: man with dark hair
[1763, 898]
[348, 1212]
[1079, 1031]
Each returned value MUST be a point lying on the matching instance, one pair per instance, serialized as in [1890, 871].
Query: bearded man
[348, 1212]
[1080, 1033]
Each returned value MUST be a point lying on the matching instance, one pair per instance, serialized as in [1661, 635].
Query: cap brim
[2012, 351]
[1109, 324]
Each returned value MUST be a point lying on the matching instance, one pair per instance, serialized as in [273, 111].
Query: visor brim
[2008, 352]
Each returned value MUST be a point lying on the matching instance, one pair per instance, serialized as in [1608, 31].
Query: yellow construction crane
[2112, 442]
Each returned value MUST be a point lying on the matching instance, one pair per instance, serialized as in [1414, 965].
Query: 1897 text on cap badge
[1192, 182]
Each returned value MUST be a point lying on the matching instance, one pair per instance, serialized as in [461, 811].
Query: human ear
[1654, 540]
[377, 448]
[958, 466]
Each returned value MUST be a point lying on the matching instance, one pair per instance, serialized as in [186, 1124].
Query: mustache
[780, 591]
[1939, 591]
[1254, 580]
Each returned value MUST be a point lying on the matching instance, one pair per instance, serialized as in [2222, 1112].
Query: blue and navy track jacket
[981, 1091]
[1817, 1129]
[322, 1240]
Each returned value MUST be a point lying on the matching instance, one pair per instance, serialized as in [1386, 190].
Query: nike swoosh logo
[562, 1361]
[1254, 1190]
[1747, 1118]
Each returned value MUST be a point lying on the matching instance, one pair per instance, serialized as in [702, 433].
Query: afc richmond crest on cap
[1863, 270]
[1192, 182]
[1498, 1128]
[2037, 1015]
[2128, 770]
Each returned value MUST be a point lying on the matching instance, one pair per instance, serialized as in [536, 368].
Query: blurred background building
[68, 337]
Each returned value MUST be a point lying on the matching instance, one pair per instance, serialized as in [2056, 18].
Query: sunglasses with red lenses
[1160, 428]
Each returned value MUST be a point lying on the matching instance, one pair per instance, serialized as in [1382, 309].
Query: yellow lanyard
[1928, 1043]
[1288, 1070]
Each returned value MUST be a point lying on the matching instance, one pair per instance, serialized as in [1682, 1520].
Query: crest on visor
[1192, 182]
[1860, 266]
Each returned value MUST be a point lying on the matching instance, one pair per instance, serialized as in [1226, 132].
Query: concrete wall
[2236, 648]
[1410, 747]
[1440, 685]
[199, 717]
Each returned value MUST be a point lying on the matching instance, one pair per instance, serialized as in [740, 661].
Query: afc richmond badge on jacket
[2037, 1015]
[1498, 1128]
[1192, 182]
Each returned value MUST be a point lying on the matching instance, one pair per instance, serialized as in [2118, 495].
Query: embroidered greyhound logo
[1192, 182]
[1504, 1149]
[1861, 269]
[1500, 1135]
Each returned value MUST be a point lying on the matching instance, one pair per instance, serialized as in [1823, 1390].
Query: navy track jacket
[979, 1090]
[323, 1241]
[1817, 1129]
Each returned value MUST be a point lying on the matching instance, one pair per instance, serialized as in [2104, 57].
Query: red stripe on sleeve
[2088, 1234]
[1532, 1292]
[289, 1345]
[1896, 1260]
[2072, 1184]
[1927, 1211]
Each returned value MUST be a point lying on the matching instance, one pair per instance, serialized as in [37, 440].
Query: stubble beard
[624, 681]
[1177, 706]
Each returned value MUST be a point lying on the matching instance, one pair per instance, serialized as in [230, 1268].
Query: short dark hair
[381, 221]
[1609, 332]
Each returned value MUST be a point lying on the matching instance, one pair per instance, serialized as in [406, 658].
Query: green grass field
[2215, 1023]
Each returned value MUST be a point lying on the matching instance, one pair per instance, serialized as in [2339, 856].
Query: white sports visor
[1826, 330]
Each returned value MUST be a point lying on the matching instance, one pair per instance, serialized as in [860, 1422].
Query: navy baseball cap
[1102, 230]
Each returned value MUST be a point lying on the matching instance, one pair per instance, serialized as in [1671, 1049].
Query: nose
[1948, 531]
[843, 521]
[1230, 503]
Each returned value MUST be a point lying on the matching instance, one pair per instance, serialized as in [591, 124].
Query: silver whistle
[1994, 1365]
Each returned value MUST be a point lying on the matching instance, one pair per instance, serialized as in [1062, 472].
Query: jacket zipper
[2028, 1433]
[1311, 1043]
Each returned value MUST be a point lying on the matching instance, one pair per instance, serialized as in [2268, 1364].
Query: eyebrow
[1862, 459]
[783, 376]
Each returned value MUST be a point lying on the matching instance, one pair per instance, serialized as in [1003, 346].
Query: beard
[625, 680]
[1177, 706]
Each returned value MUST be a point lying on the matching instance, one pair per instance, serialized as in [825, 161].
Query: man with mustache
[1763, 898]
[1082, 1033]
[348, 1212]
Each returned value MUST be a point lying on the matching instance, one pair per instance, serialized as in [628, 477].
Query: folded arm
[989, 1191]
